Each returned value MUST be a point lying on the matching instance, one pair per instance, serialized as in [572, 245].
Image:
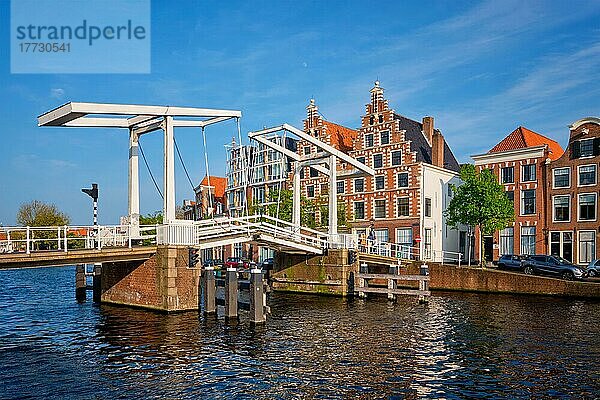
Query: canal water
[459, 346]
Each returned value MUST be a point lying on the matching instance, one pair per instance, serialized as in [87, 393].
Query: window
[508, 175]
[403, 180]
[396, 157]
[528, 173]
[359, 185]
[313, 172]
[587, 207]
[427, 207]
[404, 239]
[377, 161]
[562, 212]
[528, 240]
[385, 137]
[507, 240]
[561, 244]
[562, 177]
[403, 207]
[307, 150]
[310, 190]
[360, 160]
[527, 202]
[340, 187]
[359, 210]
[379, 182]
[427, 244]
[324, 189]
[301, 173]
[511, 195]
[380, 119]
[587, 175]
[380, 208]
[587, 246]
[382, 235]
[369, 140]
[586, 148]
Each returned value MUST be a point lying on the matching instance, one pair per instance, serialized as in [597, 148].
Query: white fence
[408, 252]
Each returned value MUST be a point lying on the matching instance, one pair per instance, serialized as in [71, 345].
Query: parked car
[511, 262]
[593, 269]
[553, 266]
[267, 264]
[237, 262]
[213, 263]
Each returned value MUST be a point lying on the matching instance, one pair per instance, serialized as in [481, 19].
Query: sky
[480, 69]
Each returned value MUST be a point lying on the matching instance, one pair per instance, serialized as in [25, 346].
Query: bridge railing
[64, 238]
[406, 252]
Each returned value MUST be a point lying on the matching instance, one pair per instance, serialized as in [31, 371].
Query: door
[561, 244]
[488, 248]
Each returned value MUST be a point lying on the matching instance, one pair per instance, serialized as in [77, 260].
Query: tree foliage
[155, 218]
[281, 205]
[480, 201]
[37, 213]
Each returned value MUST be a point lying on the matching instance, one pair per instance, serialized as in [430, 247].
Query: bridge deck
[84, 256]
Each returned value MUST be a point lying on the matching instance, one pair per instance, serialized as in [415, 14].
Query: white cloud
[57, 93]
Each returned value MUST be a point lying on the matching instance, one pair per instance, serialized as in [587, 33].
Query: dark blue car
[552, 266]
[510, 262]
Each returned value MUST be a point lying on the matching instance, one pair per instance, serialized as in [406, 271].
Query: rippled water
[459, 346]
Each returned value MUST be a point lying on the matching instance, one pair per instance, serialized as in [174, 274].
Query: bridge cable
[149, 170]
[210, 203]
[182, 163]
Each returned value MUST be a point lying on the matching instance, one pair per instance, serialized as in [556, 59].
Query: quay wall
[164, 282]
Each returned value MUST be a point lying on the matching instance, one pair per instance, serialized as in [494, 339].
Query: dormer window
[381, 119]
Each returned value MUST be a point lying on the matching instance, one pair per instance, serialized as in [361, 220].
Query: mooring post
[392, 283]
[97, 283]
[257, 305]
[362, 282]
[80, 282]
[209, 290]
[231, 295]
[423, 284]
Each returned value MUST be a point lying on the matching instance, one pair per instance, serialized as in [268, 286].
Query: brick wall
[164, 282]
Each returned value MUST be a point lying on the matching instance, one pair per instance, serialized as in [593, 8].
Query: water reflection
[458, 346]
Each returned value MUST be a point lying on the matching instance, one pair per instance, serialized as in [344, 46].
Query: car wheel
[568, 276]
[592, 273]
[528, 270]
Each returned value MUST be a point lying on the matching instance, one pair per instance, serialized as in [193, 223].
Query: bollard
[362, 282]
[209, 290]
[424, 285]
[257, 305]
[392, 283]
[231, 295]
[97, 283]
[80, 283]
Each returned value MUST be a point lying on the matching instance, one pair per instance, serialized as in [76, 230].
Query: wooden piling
[80, 283]
[209, 290]
[97, 283]
[231, 295]
[424, 284]
[257, 300]
[392, 283]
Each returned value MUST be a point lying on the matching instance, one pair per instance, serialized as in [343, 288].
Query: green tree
[480, 201]
[38, 213]
[154, 218]
[281, 205]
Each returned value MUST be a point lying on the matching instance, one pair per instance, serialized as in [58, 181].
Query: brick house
[519, 161]
[572, 195]
[414, 166]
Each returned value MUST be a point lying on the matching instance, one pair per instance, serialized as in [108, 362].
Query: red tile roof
[522, 138]
[219, 184]
[340, 136]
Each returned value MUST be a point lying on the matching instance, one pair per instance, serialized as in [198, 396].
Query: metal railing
[29, 239]
[400, 251]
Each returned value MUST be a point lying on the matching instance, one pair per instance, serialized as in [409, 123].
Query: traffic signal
[93, 192]
[352, 256]
[193, 256]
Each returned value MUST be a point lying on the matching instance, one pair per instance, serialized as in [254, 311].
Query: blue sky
[480, 68]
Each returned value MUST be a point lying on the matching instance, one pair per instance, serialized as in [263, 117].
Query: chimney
[437, 149]
[428, 128]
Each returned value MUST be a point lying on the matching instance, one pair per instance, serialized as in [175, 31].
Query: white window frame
[430, 207]
[579, 175]
[579, 247]
[354, 210]
[375, 208]
[389, 135]
[554, 178]
[581, 156]
[579, 207]
[382, 163]
[521, 239]
[375, 181]
[501, 243]
[505, 182]
[568, 196]
[372, 140]
[523, 172]
[522, 195]
[561, 242]
[354, 185]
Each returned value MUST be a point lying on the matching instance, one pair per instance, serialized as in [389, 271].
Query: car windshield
[561, 260]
